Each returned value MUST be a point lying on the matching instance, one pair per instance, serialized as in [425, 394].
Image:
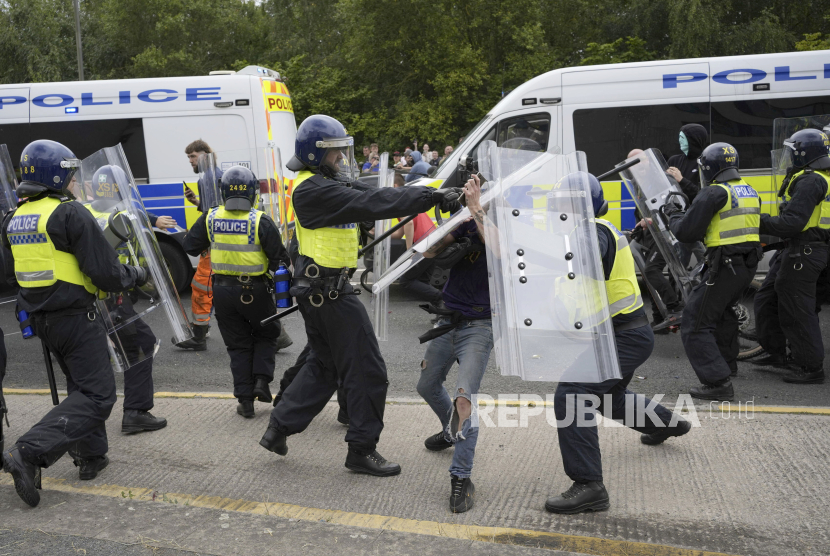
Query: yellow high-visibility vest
[821, 214]
[235, 249]
[622, 288]
[739, 219]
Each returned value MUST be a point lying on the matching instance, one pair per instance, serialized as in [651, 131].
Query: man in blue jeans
[463, 333]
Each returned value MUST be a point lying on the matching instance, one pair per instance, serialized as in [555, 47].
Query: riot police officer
[785, 304]
[138, 341]
[725, 216]
[61, 259]
[344, 350]
[246, 248]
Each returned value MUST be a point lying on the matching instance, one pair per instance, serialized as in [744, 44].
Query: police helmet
[240, 188]
[49, 164]
[323, 145]
[718, 161]
[808, 147]
[576, 181]
[105, 186]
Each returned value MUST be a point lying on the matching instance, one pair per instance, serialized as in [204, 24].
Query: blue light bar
[71, 109]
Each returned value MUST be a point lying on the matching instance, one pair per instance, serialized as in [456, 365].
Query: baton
[50, 373]
[618, 169]
[278, 316]
[386, 234]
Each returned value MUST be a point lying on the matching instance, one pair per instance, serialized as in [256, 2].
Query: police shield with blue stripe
[246, 249]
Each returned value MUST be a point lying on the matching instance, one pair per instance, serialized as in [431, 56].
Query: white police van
[154, 120]
[608, 110]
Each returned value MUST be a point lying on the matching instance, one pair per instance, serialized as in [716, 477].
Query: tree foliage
[392, 71]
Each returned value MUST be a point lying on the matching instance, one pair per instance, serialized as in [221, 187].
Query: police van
[606, 111]
[154, 120]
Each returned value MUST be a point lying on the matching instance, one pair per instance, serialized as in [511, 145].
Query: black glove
[447, 199]
[671, 207]
[141, 275]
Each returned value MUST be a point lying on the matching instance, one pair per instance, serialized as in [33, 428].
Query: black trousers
[785, 306]
[579, 445]
[709, 329]
[413, 280]
[77, 425]
[655, 263]
[3, 409]
[344, 353]
[291, 373]
[252, 348]
[139, 342]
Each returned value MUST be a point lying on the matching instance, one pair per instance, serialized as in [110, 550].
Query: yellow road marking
[784, 409]
[497, 535]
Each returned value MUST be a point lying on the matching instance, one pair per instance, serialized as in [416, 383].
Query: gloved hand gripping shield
[8, 198]
[650, 188]
[113, 198]
[782, 160]
[381, 256]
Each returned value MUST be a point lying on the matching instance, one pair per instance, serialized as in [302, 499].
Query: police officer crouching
[245, 245]
[725, 216]
[137, 339]
[61, 259]
[785, 303]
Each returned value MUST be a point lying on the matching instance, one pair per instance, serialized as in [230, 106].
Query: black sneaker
[372, 464]
[261, 390]
[26, 476]
[343, 417]
[274, 441]
[437, 442]
[462, 494]
[283, 340]
[719, 393]
[803, 376]
[246, 408]
[581, 497]
[682, 427]
[91, 466]
[773, 360]
[136, 420]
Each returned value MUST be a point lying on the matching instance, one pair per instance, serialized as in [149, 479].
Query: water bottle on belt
[23, 316]
[282, 283]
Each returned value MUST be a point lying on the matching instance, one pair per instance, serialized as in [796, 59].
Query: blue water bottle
[23, 316]
[282, 283]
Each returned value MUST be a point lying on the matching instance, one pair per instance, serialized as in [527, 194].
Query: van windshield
[466, 142]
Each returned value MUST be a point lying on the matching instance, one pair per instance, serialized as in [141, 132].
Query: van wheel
[178, 264]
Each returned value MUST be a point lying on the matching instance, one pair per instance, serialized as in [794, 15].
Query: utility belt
[321, 286]
[798, 248]
[639, 322]
[247, 283]
[715, 261]
[456, 320]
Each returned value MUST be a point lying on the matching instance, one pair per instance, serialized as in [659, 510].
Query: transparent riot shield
[551, 320]
[113, 199]
[650, 188]
[272, 189]
[380, 260]
[510, 161]
[8, 202]
[782, 129]
[209, 190]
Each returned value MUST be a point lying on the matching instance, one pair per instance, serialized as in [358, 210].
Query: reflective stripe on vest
[37, 263]
[103, 221]
[821, 213]
[235, 249]
[739, 218]
[622, 287]
[332, 247]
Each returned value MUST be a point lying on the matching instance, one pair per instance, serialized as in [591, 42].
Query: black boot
[462, 494]
[26, 476]
[773, 360]
[343, 417]
[372, 464]
[91, 466]
[722, 392]
[246, 408]
[803, 376]
[682, 427]
[137, 420]
[581, 497]
[198, 341]
[437, 442]
[261, 390]
[283, 340]
[274, 441]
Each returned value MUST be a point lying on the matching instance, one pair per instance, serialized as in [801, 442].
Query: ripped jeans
[470, 344]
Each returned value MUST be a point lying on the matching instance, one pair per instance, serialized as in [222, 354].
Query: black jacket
[197, 241]
[73, 229]
[807, 191]
[687, 164]
[691, 226]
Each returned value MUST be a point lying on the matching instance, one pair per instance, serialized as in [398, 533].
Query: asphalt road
[667, 371]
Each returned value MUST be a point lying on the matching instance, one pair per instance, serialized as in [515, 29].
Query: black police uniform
[252, 348]
[344, 350]
[785, 306]
[709, 328]
[64, 317]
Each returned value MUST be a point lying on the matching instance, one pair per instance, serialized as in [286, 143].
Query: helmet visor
[787, 159]
[338, 161]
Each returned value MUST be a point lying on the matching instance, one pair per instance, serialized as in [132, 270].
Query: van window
[83, 137]
[607, 135]
[747, 124]
[535, 127]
